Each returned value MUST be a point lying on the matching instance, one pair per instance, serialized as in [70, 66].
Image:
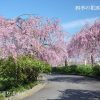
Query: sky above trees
[65, 10]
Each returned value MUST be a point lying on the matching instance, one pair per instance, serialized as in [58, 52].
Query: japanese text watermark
[89, 8]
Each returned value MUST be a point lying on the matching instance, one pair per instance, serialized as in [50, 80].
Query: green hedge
[20, 73]
[84, 70]
[28, 69]
[87, 70]
[65, 69]
[96, 70]
[47, 68]
[23, 70]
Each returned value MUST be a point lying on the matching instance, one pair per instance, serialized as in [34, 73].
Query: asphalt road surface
[68, 87]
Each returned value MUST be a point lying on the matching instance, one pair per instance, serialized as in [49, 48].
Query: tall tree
[41, 37]
[87, 41]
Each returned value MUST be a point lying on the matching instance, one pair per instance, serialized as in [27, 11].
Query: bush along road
[20, 75]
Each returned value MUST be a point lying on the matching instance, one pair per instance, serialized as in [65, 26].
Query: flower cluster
[32, 36]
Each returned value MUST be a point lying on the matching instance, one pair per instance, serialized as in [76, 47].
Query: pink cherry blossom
[40, 37]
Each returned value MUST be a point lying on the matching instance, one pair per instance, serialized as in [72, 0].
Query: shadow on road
[71, 79]
[71, 94]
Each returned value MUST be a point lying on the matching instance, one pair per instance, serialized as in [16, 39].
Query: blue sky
[71, 19]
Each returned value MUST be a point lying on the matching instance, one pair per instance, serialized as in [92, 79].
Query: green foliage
[5, 85]
[47, 68]
[20, 73]
[65, 70]
[20, 88]
[71, 69]
[96, 70]
[87, 70]
[2, 97]
[84, 70]
[57, 70]
[23, 70]
[8, 68]
[29, 68]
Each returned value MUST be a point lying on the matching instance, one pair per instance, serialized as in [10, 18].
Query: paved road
[68, 87]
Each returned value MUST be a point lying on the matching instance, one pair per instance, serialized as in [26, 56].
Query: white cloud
[78, 23]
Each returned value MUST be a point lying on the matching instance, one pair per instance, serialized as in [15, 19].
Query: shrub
[2, 97]
[20, 88]
[17, 75]
[1, 64]
[60, 70]
[65, 70]
[8, 68]
[96, 70]
[87, 70]
[74, 69]
[47, 68]
[71, 69]
[84, 70]
[20, 71]
[29, 68]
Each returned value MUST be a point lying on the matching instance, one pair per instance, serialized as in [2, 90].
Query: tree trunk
[92, 60]
[66, 63]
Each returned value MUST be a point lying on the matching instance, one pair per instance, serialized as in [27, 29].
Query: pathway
[68, 87]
